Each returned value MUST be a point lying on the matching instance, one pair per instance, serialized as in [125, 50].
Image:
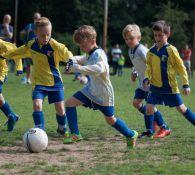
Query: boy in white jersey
[137, 54]
[98, 93]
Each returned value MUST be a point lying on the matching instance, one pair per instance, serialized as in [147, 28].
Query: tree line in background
[67, 15]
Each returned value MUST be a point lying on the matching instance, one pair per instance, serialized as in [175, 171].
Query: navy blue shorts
[171, 100]
[53, 96]
[106, 110]
[1, 84]
[140, 94]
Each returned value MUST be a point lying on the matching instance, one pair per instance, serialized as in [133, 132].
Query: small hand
[186, 90]
[134, 76]
[146, 83]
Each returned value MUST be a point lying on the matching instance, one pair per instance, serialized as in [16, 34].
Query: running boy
[4, 105]
[163, 65]
[137, 54]
[46, 53]
[98, 93]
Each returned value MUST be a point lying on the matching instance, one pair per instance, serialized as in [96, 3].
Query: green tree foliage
[177, 19]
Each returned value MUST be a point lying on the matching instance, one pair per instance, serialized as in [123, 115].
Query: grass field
[102, 151]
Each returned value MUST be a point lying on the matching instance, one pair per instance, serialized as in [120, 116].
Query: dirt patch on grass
[64, 158]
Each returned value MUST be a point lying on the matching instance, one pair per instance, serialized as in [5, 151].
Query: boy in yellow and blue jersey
[46, 53]
[137, 55]
[4, 105]
[163, 65]
[98, 93]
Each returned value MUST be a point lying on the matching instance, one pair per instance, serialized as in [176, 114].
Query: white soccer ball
[83, 80]
[35, 140]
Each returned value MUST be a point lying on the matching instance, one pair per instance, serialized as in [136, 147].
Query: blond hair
[133, 29]
[42, 22]
[84, 33]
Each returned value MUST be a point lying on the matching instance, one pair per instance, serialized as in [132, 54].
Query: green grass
[106, 153]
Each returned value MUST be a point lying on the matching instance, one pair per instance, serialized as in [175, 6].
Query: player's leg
[6, 109]
[118, 124]
[187, 113]
[38, 115]
[57, 97]
[71, 114]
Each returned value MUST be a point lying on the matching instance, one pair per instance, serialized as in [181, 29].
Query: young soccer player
[163, 65]
[46, 53]
[137, 54]
[98, 93]
[4, 105]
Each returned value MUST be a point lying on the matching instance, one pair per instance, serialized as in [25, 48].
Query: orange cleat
[162, 133]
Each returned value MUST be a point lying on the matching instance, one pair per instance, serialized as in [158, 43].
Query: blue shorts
[106, 110]
[171, 100]
[1, 84]
[140, 94]
[53, 96]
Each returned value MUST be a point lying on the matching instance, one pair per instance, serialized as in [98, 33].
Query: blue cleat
[11, 122]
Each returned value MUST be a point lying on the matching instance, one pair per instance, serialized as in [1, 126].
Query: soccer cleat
[11, 122]
[72, 138]
[131, 142]
[61, 132]
[155, 126]
[162, 133]
[145, 134]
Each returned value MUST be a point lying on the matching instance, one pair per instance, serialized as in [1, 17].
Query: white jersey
[116, 54]
[99, 88]
[138, 59]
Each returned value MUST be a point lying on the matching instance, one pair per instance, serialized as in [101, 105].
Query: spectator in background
[121, 63]
[186, 57]
[6, 30]
[116, 54]
[6, 34]
[26, 35]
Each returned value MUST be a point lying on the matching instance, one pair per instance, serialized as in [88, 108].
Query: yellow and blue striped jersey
[46, 58]
[163, 65]
[5, 47]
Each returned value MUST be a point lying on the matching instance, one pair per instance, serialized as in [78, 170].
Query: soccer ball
[35, 140]
[83, 80]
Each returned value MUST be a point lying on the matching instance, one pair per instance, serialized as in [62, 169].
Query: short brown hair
[42, 22]
[162, 26]
[84, 33]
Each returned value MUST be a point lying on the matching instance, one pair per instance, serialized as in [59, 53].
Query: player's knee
[60, 112]
[149, 110]
[110, 120]
[37, 106]
[136, 104]
[182, 109]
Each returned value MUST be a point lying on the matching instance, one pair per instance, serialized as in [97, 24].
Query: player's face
[160, 38]
[87, 46]
[43, 34]
[131, 41]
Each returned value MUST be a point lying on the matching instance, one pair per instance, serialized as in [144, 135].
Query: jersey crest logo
[164, 58]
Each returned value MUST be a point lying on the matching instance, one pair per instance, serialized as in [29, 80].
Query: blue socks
[6, 109]
[38, 118]
[121, 126]
[190, 116]
[61, 122]
[158, 118]
[71, 115]
[149, 119]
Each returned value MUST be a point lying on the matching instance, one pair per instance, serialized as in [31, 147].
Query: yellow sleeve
[6, 46]
[19, 53]
[148, 72]
[179, 66]
[18, 64]
[64, 53]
